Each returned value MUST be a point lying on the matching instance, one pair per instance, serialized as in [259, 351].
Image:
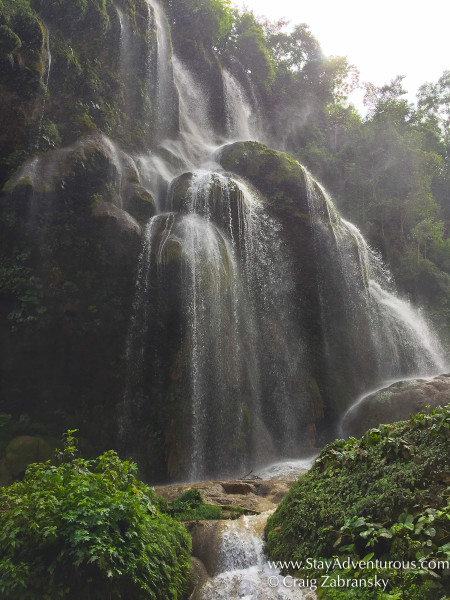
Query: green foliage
[384, 495]
[190, 506]
[207, 21]
[250, 48]
[82, 528]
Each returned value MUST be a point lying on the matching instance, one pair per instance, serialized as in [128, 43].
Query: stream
[241, 568]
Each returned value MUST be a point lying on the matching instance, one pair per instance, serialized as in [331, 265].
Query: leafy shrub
[88, 529]
[188, 500]
[191, 507]
[383, 496]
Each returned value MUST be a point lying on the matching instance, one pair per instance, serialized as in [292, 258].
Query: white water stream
[243, 570]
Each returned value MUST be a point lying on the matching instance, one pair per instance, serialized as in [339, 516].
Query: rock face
[396, 403]
[69, 254]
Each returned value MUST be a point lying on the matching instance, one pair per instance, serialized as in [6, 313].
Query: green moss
[355, 498]
[190, 506]
[275, 174]
[9, 41]
[173, 251]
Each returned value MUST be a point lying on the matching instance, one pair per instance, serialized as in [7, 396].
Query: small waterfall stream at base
[244, 572]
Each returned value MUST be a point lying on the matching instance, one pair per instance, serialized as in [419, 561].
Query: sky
[382, 39]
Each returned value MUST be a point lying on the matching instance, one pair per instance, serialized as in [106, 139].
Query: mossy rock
[25, 449]
[179, 193]
[396, 402]
[277, 176]
[139, 202]
[9, 41]
[83, 169]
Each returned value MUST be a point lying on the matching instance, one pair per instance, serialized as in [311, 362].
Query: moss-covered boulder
[138, 202]
[276, 175]
[395, 403]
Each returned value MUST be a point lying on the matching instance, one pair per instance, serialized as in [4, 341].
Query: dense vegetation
[384, 496]
[88, 529]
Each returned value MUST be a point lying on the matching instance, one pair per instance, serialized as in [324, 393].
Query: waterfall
[212, 309]
[193, 147]
[217, 257]
[396, 335]
[275, 358]
[164, 78]
[242, 115]
[133, 396]
[212, 306]
[42, 97]
[243, 570]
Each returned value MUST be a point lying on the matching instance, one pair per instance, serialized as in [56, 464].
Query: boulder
[396, 403]
[138, 202]
[25, 449]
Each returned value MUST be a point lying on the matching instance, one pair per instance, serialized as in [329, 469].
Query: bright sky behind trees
[382, 39]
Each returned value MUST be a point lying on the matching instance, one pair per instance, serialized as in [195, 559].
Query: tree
[291, 51]
[88, 529]
[248, 45]
[205, 22]
[434, 101]
[426, 232]
[380, 99]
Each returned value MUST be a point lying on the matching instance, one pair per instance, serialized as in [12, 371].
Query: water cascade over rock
[362, 302]
[236, 315]
[242, 569]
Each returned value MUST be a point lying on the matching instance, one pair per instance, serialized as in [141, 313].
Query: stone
[396, 403]
[23, 450]
[138, 202]
[116, 219]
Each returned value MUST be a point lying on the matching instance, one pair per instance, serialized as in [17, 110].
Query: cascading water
[42, 97]
[241, 118]
[275, 354]
[400, 341]
[243, 570]
[164, 77]
[214, 352]
[220, 262]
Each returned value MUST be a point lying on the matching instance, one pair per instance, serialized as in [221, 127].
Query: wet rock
[139, 203]
[255, 497]
[116, 219]
[23, 450]
[238, 487]
[396, 403]
[206, 543]
[198, 575]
